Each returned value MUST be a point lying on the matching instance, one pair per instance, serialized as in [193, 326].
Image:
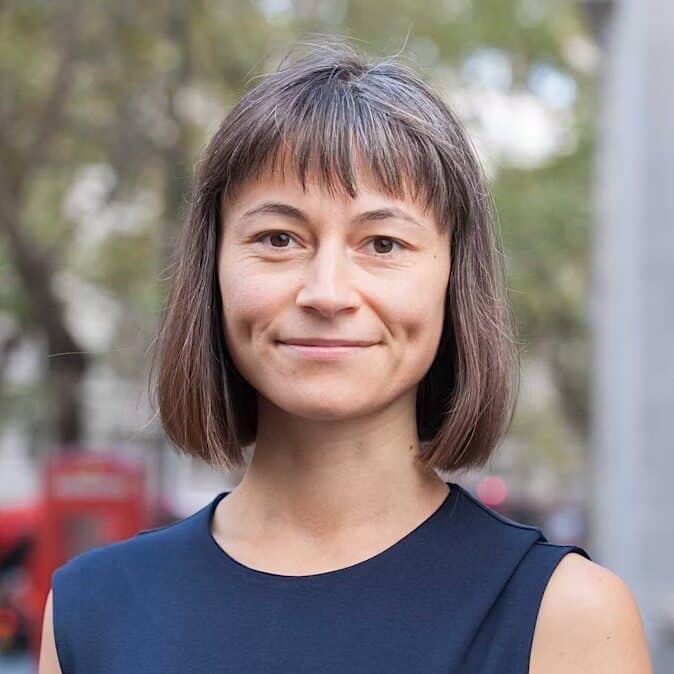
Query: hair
[325, 108]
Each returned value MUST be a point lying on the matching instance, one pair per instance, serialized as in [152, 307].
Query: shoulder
[588, 620]
[110, 564]
[107, 583]
[102, 556]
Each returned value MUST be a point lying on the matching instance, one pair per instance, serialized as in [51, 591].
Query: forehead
[281, 182]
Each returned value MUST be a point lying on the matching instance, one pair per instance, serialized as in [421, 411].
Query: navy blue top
[459, 593]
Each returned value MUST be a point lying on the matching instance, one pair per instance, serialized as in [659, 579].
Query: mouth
[320, 341]
[319, 351]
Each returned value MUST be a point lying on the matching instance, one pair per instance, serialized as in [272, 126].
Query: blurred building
[632, 527]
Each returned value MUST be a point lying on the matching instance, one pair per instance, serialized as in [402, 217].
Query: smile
[322, 352]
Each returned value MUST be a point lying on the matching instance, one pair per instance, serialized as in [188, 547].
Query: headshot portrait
[338, 329]
[335, 337]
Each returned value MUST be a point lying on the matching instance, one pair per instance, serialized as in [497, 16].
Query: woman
[339, 303]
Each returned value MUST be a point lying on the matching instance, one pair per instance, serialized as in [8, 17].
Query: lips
[316, 341]
[324, 350]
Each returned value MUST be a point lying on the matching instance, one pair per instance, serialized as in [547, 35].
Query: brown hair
[325, 109]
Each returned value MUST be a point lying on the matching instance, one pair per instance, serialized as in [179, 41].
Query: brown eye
[280, 236]
[276, 237]
[387, 246]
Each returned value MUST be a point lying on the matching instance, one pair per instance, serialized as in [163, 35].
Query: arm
[588, 621]
[49, 663]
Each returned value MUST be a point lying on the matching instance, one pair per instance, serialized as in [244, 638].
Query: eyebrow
[279, 208]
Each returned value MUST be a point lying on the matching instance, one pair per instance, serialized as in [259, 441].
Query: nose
[327, 286]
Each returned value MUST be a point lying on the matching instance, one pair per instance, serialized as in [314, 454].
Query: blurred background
[103, 109]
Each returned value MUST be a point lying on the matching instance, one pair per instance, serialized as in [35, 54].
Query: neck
[322, 479]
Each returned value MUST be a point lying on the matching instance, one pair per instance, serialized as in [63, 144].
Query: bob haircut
[325, 110]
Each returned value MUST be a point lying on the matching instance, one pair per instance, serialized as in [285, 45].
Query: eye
[389, 244]
[279, 236]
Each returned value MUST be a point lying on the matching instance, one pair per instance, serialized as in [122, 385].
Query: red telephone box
[87, 500]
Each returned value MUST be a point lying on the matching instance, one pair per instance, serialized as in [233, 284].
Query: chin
[319, 406]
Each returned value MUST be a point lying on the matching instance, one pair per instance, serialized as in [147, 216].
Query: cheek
[249, 301]
[416, 306]
[246, 299]
[420, 325]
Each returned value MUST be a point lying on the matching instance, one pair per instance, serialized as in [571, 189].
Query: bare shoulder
[49, 662]
[588, 621]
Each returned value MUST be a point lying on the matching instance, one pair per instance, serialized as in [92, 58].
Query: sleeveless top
[460, 593]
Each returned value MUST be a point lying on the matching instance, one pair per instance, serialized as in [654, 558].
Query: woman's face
[307, 266]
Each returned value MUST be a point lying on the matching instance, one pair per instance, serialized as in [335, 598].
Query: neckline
[415, 535]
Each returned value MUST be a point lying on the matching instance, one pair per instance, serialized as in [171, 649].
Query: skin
[588, 621]
[333, 479]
